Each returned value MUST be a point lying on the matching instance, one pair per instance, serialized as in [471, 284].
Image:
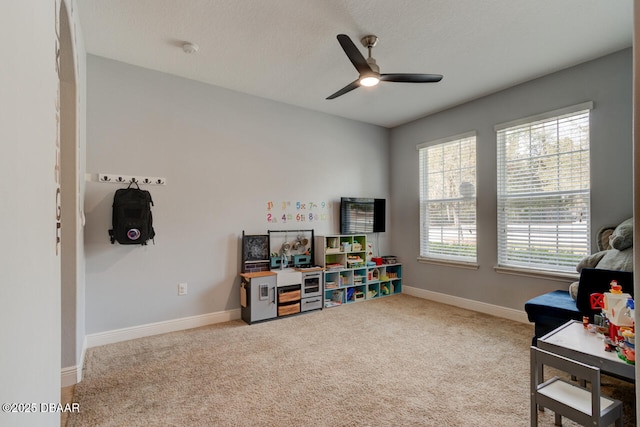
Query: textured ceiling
[286, 50]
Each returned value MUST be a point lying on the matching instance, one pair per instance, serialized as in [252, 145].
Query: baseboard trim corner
[70, 375]
[481, 307]
[149, 329]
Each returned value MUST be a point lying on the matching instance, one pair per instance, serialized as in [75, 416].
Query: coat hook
[123, 179]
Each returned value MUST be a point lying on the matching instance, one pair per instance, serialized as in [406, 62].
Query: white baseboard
[125, 334]
[69, 376]
[482, 307]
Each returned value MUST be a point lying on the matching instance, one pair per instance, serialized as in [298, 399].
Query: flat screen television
[362, 215]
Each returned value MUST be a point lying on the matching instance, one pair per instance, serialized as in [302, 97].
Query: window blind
[544, 192]
[448, 199]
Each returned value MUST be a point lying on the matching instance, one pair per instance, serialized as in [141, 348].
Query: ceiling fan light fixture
[369, 80]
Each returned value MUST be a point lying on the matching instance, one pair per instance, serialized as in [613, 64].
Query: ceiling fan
[369, 70]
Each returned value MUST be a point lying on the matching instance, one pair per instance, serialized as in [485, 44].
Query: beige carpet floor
[394, 361]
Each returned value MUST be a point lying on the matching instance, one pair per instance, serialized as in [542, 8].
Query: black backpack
[132, 219]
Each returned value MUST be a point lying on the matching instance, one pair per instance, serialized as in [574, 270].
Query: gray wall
[224, 155]
[606, 82]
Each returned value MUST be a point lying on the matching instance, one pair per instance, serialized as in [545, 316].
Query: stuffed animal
[616, 252]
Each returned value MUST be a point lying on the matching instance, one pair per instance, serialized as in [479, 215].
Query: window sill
[449, 263]
[538, 274]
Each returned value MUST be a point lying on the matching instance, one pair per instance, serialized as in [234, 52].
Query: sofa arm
[595, 280]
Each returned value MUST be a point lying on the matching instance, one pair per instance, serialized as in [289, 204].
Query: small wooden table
[572, 340]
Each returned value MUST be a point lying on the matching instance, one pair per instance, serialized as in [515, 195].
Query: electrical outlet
[182, 288]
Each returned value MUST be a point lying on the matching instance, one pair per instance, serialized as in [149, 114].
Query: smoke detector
[190, 47]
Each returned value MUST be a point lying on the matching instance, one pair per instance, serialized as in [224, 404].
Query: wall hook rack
[126, 179]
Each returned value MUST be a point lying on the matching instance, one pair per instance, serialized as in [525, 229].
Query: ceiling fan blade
[353, 53]
[348, 88]
[411, 78]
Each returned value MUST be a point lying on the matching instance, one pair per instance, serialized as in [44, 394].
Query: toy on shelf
[616, 322]
[354, 261]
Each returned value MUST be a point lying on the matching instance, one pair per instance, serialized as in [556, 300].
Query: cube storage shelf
[347, 278]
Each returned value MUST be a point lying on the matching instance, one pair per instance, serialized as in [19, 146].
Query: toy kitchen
[278, 276]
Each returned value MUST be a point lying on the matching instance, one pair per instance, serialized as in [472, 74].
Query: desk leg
[558, 419]
[540, 379]
[536, 377]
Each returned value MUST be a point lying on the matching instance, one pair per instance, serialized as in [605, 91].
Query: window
[448, 198]
[544, 190]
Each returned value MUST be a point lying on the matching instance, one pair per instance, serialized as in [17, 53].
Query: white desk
[572, 340]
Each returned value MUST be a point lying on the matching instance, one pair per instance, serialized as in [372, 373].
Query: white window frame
[557, 243]
[453, 253]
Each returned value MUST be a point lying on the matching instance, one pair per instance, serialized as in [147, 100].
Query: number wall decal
[306, 211]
